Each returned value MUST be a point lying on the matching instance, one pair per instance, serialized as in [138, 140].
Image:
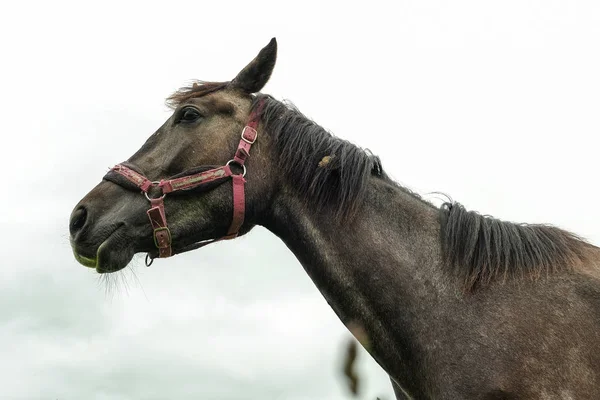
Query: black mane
[481, 248]
[326, 170]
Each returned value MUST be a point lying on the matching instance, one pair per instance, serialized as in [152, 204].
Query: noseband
[156, 213]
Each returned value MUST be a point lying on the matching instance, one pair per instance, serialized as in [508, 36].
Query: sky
[492, 103]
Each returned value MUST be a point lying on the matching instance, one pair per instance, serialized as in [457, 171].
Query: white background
[493, 103]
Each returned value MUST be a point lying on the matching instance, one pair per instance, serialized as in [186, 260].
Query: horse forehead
[224, 102]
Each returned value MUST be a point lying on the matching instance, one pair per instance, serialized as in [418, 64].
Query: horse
[453, 304]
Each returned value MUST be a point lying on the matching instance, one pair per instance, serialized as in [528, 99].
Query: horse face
[110, 224]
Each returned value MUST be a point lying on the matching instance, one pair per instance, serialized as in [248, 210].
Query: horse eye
[189, 114]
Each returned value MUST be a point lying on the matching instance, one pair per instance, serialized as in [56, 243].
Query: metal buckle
[160, 230]
[255, 135]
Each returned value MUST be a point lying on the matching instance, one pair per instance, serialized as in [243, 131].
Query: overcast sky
[494, 103]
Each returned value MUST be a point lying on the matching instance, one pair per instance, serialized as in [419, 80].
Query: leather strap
[191, 181]
[239, 206]
[161, 233]
[243, 151]
[137, 179]
[156, 213]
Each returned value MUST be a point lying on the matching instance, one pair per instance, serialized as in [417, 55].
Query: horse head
[204, 175]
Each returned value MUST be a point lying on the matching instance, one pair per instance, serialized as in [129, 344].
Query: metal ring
[241, 165]
[157, 198]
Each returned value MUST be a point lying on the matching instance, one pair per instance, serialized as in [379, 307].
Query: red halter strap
[156, 213]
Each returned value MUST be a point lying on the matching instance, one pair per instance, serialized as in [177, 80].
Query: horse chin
[111, 258]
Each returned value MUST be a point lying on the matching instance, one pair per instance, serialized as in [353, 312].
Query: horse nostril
[78, 219]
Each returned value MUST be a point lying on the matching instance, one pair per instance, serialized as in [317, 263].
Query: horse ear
[256, 74]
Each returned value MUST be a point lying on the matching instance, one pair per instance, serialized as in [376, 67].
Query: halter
[156, 213]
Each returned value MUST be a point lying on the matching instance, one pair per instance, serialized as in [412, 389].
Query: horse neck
[380, 271]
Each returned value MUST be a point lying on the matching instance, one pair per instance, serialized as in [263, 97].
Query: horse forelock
[195, 90]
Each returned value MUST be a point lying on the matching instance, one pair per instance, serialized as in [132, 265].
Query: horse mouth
[86, 261]
[112, 255]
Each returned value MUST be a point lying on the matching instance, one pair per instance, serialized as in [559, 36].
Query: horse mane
[326, 170]
[330, 172]
[482, 248]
